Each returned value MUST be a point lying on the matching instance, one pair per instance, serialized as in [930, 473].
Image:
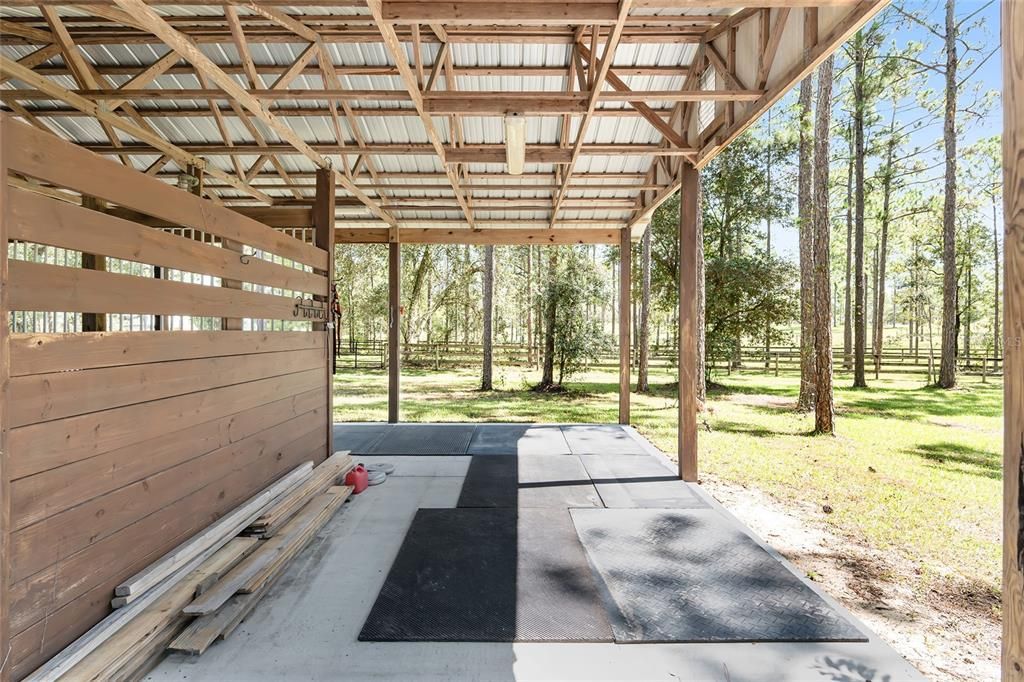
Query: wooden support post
[323, 237]
[93, 322]
[1013, 349]
[688, 246]
[228, 323]
[625, 270]
[5, 372]
[394, 324]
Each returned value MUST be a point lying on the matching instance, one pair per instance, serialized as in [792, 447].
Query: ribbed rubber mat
[489, 575]
[518, 439]
[630, 481]
[358, 438]
[693, 576]
[601, 439]
[424, 439]
[527, 481]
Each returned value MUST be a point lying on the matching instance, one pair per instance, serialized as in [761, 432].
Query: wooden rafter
[596, 85]
[182, 157]
[747, 80]
[639, 104]
[181, 44]
[397, 52]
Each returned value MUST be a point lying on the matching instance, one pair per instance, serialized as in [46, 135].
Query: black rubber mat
[358, 438]
[693, 576]
[527, 481]
[489, 575]
[518, 439]
[601, 439]
[627, 481]
[424, 439]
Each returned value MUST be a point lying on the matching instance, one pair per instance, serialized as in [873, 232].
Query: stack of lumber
[219, 574]
[221, 608]
[333, 469]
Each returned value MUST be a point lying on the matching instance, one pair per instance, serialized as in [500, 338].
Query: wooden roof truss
[278, 120]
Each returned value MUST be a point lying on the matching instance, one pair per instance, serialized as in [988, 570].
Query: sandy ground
[947, 636]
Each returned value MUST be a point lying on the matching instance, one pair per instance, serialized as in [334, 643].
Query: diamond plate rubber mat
[358, 438]
[628, 481]
[601, 439]
[489, 575]
[424, 439]
[527, 481]
[692, 576]
[518, 439]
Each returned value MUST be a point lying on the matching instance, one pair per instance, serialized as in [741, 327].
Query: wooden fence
[118, 445]
[777, 360]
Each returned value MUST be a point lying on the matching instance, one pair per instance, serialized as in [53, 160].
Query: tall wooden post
[323, 237]
[625, 269]
[394, 323]
[688, 323]
[1013, 351]
[93, 322]
[5, 367]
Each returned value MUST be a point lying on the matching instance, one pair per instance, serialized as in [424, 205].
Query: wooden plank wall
[121, 445]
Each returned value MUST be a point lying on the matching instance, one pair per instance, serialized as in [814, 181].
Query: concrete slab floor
[306, 626]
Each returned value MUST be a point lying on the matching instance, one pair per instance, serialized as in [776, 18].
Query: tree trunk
[805, 221]
[548, 378]
[486, 376]
[643, 336]
[995, 253]
[466, 298]
[824, 408]
[859, 293]
[968, 310]
[883, 239]
[847, 308]
[947, 361]
[529, 306]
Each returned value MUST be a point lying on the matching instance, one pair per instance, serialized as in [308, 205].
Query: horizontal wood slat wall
[120, 445]
[44, 220]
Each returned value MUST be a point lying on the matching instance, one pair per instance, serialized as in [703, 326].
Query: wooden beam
[596, 85]
[146, 76]
[5, 375]
[180, 156]
[653, 117]
[323, 237]
[498, 13]
[689, 206]
[502, 103]
[33, 59]
[394, 324]
[397, 51]
[183, 46]
[859, 13]
[93, 322]
[771, 48]
[479, 102]
[122, 69]
[242, 46]
[1013, 309]
[480, 237]
[625, 302]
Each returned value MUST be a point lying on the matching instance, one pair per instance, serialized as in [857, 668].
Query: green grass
[913, 470]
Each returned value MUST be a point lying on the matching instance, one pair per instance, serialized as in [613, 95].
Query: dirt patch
[950, 633]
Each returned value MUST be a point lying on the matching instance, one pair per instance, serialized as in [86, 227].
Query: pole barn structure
[177, 173]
